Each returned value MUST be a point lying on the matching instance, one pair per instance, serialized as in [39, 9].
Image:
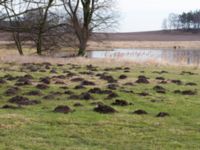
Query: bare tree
[38, 19]
[11, 19]
[33, 20]
[87, 16]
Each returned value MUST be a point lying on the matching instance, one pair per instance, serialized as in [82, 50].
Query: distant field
[148, 36]
[154, 39]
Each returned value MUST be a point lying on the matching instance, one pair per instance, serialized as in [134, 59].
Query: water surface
[173, 56]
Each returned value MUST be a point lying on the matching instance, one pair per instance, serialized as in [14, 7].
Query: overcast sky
[145, 15]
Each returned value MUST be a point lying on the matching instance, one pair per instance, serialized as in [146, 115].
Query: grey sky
[145, 15]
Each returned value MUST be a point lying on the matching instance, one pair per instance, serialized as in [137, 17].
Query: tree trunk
[18, 44]
[39, 44]
[82, 48]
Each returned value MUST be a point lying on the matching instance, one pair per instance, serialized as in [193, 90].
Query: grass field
[38, 127]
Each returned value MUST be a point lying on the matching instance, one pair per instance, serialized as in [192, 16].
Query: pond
[173, 56]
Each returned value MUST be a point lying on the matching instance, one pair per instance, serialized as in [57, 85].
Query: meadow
[103, 106]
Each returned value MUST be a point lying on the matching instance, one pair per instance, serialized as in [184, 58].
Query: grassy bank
[38, 127]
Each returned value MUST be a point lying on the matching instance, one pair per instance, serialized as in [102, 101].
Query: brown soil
[104, 109]
[178, 82]
[20, 100]
[34, 93]
[42, 86]
[87, 83]
[45, 80]
[140, 112]
[62, 109]
[122, 77]
[10, 107]
[159, 89]
[12, 91]
[162, 114]
[142, 79]
[120, 103]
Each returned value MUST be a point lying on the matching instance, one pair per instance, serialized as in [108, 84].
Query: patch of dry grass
[108, 45]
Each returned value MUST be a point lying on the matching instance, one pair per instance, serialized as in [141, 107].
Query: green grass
[39, 128]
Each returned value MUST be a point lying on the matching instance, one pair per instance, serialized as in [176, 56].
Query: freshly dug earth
[104, 109]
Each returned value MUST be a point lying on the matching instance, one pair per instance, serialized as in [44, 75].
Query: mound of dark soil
[160, 72]
[77, 79]
[177, 91]
[160, 78]
[32, 68]
[112, 86]
[143, 94]
[122, 77]
[9, 77]
[20, 100]
[42, 70]
[12, 91]
[95, 91]
[107, 78]
[87, 73]
[163, 82]
[49, 97]
[64, 87]
[126, 69]
[34, 93]
[178, 82]
[62, 109]
[70, 74]
[2, 81]
[156, 101]
[45, 80]
[53, 71]
[191, 84]
[10, 107]
[159, 89]
[120, 103]
[104, 109]
[109, 69]
[68, 92]
[142, 79]
[77, 87]
[42, 86]
[140, 112]
[23, 81]
[78, 105]
[85, 96]
[59, 77]
[162, 114]
[187, 73]
[189, 92]
[60, 82]
[60, 65]
[28, 76]
[186, 92]
[87, 83]
[112, 95]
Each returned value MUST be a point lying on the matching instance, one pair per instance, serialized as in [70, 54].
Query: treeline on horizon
[187, 21]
